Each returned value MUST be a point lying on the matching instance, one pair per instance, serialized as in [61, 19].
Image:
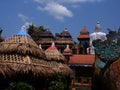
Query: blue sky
[59, 14]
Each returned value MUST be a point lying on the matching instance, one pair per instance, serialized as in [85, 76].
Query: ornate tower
[97, 34]
[83, 38]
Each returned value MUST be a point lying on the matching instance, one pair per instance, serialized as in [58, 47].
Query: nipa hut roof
[65, 33]
[20, 54]
[67, 50]
[21, 43]
[46, 33]
[52, 53]
[57, 59]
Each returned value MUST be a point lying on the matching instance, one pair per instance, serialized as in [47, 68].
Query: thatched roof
[39, 68]
[52, 53]
[20, 54]
[21, 44]
[57, 59]
[65, 33]
[1, 38]
[47, 33]
[67, 51]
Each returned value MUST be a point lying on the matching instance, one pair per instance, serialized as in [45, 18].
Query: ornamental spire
[25, 26]
[98, 27]
[23, 30]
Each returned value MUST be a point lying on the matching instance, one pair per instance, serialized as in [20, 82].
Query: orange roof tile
[84, 33]
[82, 59]
[83, 36]
[84, 30]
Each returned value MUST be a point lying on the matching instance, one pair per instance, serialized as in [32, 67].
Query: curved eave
[83, 37]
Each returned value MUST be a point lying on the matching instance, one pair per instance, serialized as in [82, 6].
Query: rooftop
[84, 33]
[82, 60]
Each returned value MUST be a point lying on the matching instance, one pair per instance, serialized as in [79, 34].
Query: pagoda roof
[65, 33]
[84, 33]
[46, 33]
[83, 36]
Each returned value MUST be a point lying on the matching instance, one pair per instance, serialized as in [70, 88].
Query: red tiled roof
[84, 30]
[82, 59]
[83, 36]
[84, 33]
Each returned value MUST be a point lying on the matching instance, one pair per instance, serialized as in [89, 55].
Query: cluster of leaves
[35, 31]
[58, 82]
[20, 86]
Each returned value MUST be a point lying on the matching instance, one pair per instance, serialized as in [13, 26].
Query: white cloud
[23, 17]
[25, 20]
[58, 9]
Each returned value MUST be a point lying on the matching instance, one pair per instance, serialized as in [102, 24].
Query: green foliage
[58, 82]
[20, 86]
[35, 32]
[55, 85]
[33, 29]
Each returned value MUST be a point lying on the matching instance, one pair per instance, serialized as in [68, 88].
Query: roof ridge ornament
[40, 46]
[67, 45]
[25, 26]
[53, 43]
[23, 30]
[65, 29]
[98, 27]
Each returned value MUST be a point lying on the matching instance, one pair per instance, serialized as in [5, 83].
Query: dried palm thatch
[52, 53]
[21, 44]
[20, 54]
[36, 66]
[58, 67]
[1, 38]
[57, 59]
[67, 51]
[17, 54]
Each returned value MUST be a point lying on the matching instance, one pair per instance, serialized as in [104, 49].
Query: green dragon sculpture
[106, 51]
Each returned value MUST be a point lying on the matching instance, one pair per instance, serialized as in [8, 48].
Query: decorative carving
[106, 51]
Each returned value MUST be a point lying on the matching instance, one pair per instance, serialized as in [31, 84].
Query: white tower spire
[98, 27]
